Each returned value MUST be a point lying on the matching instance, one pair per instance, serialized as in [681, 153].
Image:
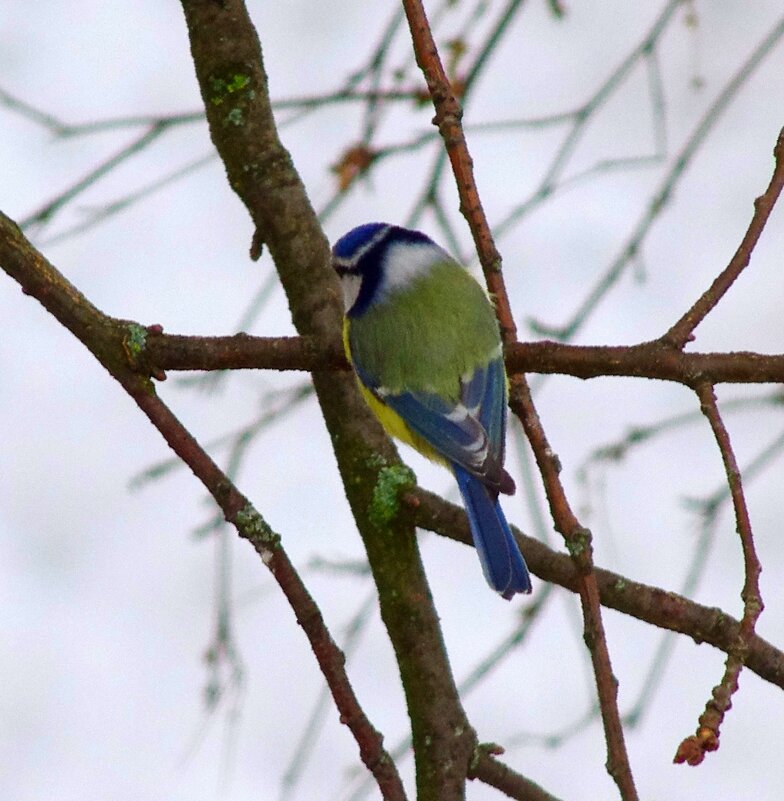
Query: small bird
[423, 339]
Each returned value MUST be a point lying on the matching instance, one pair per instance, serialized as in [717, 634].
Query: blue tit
[423, 339]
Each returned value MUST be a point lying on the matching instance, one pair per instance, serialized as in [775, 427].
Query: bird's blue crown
[363, 251]
[369, 241]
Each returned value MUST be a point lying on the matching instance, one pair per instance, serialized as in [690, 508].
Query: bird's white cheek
[351, 285]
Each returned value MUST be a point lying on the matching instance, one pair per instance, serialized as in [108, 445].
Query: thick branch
[655, 360]
[229, 68]
[666, 610]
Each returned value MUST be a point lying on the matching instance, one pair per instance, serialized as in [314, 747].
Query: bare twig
[95, 216]
[660, 198]
[582, 116]
[682, 331]
[48, 210]
[64, 130]
[283, 404]
[694, 748]
[634, 436]
[428, 197]
[707, 508]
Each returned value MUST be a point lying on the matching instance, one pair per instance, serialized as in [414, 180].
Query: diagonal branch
[682, 331]
[44, 214]
[494, 773]
[579, 544]
[659, 607]
[115, 343]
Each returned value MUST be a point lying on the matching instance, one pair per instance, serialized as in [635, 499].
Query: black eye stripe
[366, 261]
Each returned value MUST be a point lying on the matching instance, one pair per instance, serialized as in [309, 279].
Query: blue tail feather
[502, 562]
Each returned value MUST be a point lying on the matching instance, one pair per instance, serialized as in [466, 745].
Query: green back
[425, 336]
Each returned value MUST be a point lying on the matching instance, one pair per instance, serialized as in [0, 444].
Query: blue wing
[469, 431]
[485, 395]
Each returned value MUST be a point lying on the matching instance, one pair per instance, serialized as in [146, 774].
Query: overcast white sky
[107, 596]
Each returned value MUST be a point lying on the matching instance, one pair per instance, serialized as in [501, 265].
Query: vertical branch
[578, 543]
[693, 749]
[448, 120]
[706, 738]
[229, 66]
[578, 540]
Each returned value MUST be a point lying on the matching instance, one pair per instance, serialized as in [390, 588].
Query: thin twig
[48, 210]
[66, 130]
[583, 115]
[706, 738]
[663, 194]
[505, 18]
[99, 214]
[708, 510]
[681, 332]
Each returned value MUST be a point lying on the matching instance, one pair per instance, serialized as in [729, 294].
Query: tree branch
[659, 607]
[111, 341]
[694, 748]
[654, 360]
[115, 344]
[489, 770]
[229, 67]
[682, 331]
[448, 119]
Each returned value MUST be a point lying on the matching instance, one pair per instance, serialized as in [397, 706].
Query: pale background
[107, 599]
